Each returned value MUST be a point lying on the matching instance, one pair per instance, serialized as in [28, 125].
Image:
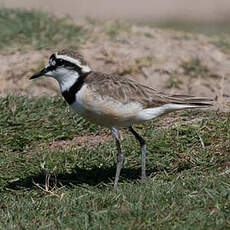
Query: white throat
[66, 78]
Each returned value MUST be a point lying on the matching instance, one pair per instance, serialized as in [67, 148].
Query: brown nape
[73, 54]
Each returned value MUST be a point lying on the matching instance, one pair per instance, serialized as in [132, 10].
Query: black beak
[39, 74]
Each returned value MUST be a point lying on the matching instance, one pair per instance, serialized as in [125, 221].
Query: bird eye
[59, 62]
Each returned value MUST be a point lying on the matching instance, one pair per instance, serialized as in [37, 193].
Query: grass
[71, 187]
[36, 29]
[223, 42]
[195, 68]
[218, 30]
[173, 81]
[44, 186]
[116, 27]
[209, 28]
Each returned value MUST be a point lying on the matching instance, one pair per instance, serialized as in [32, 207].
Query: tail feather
[191, 100]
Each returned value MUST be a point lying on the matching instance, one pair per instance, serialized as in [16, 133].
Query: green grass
[173, 81]
[209, 28]
[114, 28]
[36, 29]
[223, 42]
[72, 188]
[195, 68]
[218, 31]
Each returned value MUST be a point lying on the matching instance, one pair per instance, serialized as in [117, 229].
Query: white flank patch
[148, 114]
[85, 68]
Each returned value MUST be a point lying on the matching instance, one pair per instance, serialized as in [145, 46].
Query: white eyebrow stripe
[85, 68]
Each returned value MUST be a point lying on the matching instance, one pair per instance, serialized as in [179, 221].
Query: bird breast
[104, 110]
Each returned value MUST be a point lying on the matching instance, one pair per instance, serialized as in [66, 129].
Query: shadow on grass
[92, 177]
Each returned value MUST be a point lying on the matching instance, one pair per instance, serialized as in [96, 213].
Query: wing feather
[126, 90]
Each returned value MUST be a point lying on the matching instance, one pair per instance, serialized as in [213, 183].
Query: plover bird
[111, 100]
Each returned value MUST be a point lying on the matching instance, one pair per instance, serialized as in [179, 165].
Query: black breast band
[70, 94]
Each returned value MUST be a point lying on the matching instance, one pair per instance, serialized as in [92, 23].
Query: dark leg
[120, 156]
[143, 154]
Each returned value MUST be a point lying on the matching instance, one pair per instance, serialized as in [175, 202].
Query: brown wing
[126, 90]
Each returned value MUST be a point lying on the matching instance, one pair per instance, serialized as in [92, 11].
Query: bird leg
[143, 154]
[120, 155]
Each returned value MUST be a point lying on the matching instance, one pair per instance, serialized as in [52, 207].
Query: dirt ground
[163, 59]
[173, 62]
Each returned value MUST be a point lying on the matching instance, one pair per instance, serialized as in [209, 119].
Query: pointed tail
[192, 101]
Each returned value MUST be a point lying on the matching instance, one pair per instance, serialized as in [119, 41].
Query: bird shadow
[79, 176]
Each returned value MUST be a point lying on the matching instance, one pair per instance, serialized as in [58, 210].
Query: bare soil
[91, 140]
[174, 62]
